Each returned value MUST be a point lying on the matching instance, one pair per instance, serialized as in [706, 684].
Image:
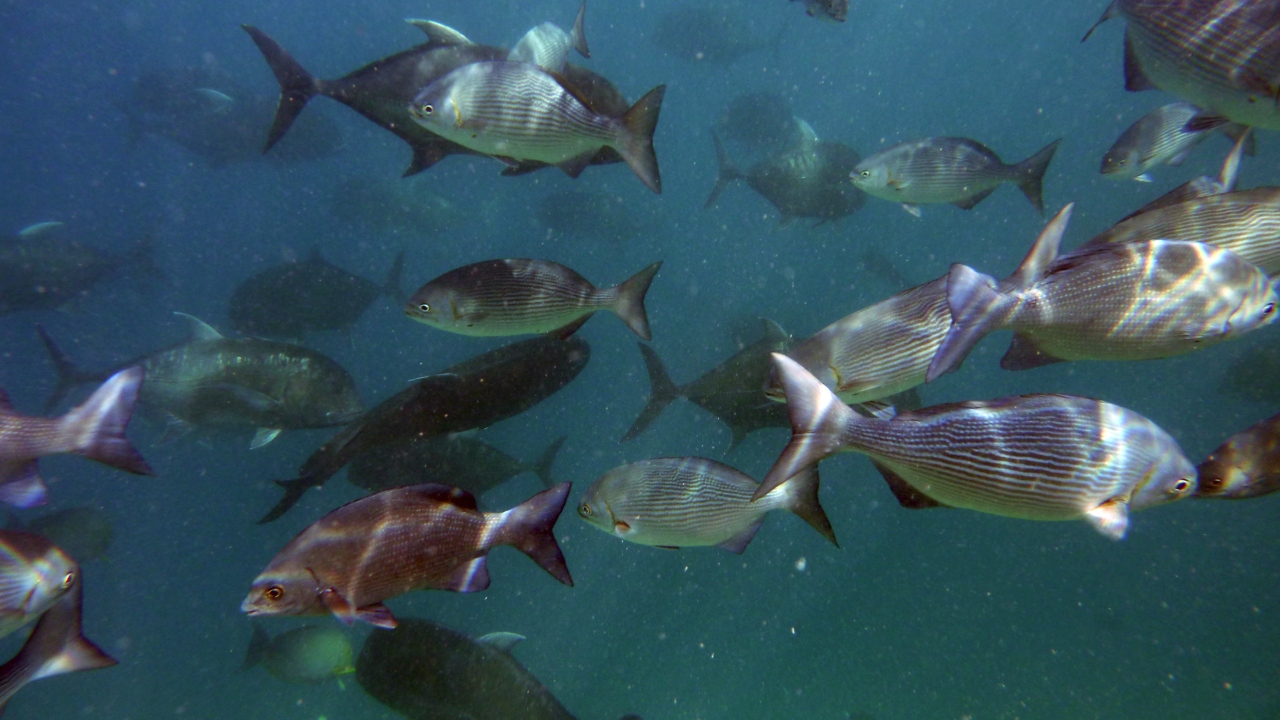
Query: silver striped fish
[878, 351]
[1247, 465]
[34, 573]
[517, 111]
[959, 171]
[1159, 137]
[1222, 55]
[1246, 222]
[547, 45]
[694, 502]
[1121, 301]
[1035, 457]
[521, 296]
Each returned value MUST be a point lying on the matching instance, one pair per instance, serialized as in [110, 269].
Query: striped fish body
[691, 502]
[395, 541]
[1222, 55]
[1036, 457]
[878, 351]
[1246, 465]
[1246, 222]
[947, 170]
[521, 296]
[1159, 137]
[548, 46]
[34, 573]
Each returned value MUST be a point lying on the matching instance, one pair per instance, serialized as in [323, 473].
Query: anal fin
[1023, 354]
[908, 496]
[969, 202]
[25, 489]
[471, 577]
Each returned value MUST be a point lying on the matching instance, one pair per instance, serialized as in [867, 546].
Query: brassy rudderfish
[95, 429]
[454, 459]
[1118, 301]
[83, 533]
[959, 171]
[1035, 457]
[395, 541]
[519, 296]
[44, 270]
[694, 502]
[1246, 465]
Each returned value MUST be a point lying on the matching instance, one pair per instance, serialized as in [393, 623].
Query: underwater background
[925, 614]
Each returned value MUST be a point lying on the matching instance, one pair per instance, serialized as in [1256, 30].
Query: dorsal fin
[439, 33]
[200, 330]
[572, 89]
[443, 493]
[1044, 251]
[773, 332]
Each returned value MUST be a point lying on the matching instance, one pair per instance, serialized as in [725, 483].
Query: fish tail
[56, 646]
[726, 175]
[529, 527]
[297, 86]
[1241, 135]
[578, 35]
[1113, 10]
[98, 425]
[977, 308]
[1030, 174]
[542, 466]
[393, 286]
[629, 301]
[293, 491]
[70, 376]
[635, 143]
[662, 390]
[801, 498]
[257, 650]
[818, 423]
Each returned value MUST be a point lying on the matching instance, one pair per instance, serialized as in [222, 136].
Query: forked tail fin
[1031, 175]
[297, 86]
[529, 527]
[662, 390]
[98, 425]
[629, 304]
[635, 143]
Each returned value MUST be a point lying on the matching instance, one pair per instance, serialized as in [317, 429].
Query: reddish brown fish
[94, 430]
[1246, 465]
[410, 538]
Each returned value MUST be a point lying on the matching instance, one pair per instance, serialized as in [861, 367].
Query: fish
[1034, 457]
[56, 646]
[677, 502]
[383, 90]
[714, 33]
[953, 170]
[1159, 137]
[1254, 376]
[295, 299]
[209, 114]
[211, 381]
[426, 671]
[518, 296]
[1223, 57]
[761, 123]
[832, 10]
[731, 391]
[878, 351]
[47, 269]
[34, 574]
[304, 655]
[41, 228]
[95, 429]
[1245, 222]
[1246, 465]
[399, 206]
[1122, 301]
[805, 181]
[389, 543]
[456, 460]
[1203, 186]
[547, 45]
[595, 216]
[516, 111]
[475, 393]
[84, 533]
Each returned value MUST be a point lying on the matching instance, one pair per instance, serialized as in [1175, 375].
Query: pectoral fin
[377, 615]
[500, 641]
[913, 210]
[25, 488]
[1135, 80]
[1111, 518]
[263, 437]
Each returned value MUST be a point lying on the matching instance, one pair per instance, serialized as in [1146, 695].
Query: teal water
[937, 614]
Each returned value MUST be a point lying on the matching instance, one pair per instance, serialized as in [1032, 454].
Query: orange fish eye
[68, 579]
[275, 592]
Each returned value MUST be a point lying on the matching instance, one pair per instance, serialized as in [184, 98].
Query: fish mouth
[248, 608]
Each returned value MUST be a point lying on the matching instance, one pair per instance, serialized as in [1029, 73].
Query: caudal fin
[629, 303]
[578, 35]
[662, 390]
[297, 86]
[1031, 174]
[529, 528]
[293, 492]
[70, 376]
[635, 142]
[258, 645]
[98, 426]
[542, 466]
[818, 423]
[801, 498]
[726, 174]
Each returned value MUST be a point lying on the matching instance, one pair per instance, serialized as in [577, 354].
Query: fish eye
[1270, 308]
[426, 109]
[866, 173]
[1182, 486]
[1211, 483]
[68, 579]
[584, 510]
[275, 592]
[424, 307]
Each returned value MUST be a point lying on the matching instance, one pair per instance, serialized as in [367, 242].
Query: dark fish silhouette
[473, 394]
[1246, 465]
[457, 460]
[596, 216]
[810, 180]
[712, 33]
[518, 296]
[95, 429]
[84, 533]
[389, 543]
[304, 655]
[295, 299]
[212, 381]
[45, 270]
[426, 671]
[732, 391]
[55, 647]
[34, 574]
[833, 10]
[760, 123]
